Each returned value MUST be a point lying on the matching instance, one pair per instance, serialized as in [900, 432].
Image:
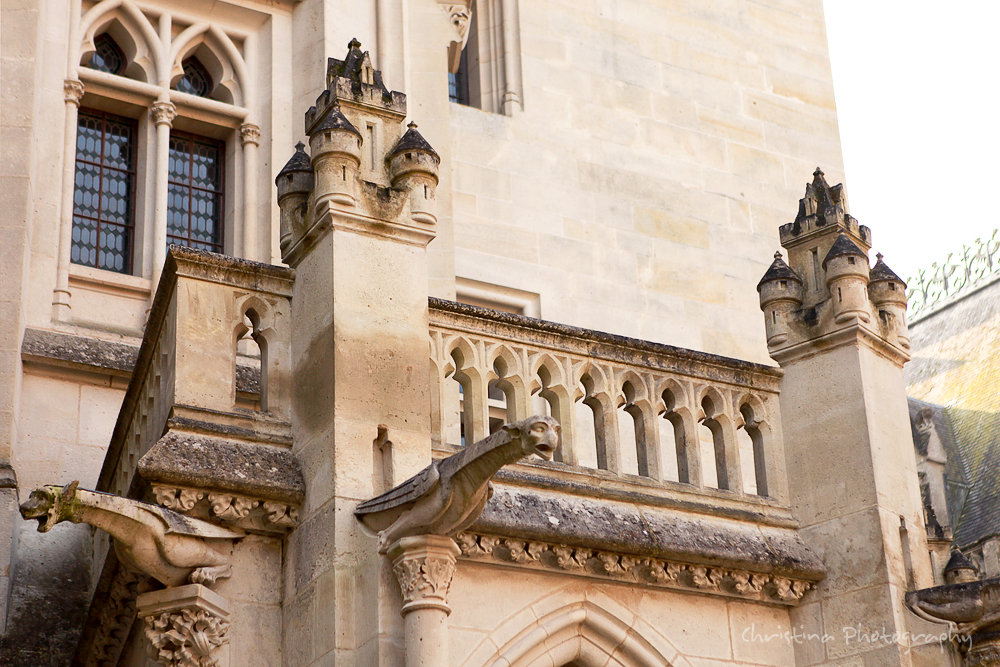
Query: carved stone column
[187, 626]
[246, 234]
[424, 566]
[73, 90]
[163, 114]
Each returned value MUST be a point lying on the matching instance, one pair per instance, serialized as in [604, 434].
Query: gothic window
[103, 194]
[196, 80]
[194, 192]
[486, 72]
[108, 56]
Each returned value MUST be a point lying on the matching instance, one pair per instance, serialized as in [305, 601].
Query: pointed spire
[843, 246]
[413, 141]
[335, 120]
[778, 271]
[881, 271]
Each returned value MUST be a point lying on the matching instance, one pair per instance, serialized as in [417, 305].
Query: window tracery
[108, 56]
[196, 79]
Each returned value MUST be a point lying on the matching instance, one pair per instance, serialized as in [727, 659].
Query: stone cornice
[632, 568]
[854, 333]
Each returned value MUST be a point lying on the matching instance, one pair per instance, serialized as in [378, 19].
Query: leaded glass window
[194, 192]
[108, 56]
[105, 184]
[196, 80]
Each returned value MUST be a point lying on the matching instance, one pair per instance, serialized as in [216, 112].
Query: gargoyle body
[972, 605]
[449, 495]
[170, 547]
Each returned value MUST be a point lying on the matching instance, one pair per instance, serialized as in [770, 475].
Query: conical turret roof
[413, 141]
[778, 271]
[335, 120]
[881, 271]
[841, 247]
[299, 162]
[959, 561]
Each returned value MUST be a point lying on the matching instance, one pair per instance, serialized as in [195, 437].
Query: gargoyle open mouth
[38, 507]
[544, 450]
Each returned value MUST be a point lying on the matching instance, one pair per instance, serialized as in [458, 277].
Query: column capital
[250, 134]
[163, 113]
[186, 625]
[73, 90]
[424, 566]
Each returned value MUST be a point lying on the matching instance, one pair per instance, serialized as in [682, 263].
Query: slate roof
[881, 271]
[413, 141]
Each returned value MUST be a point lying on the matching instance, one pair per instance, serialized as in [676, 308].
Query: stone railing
[629, 409]
[959, 273]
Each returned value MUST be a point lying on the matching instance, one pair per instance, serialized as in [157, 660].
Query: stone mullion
[163, 114]
[692, 447]
[647, 437]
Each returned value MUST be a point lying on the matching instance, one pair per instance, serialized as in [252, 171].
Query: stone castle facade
[284, 428]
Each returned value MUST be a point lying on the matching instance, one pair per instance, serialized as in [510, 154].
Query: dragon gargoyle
[170, 547]
[448, 496]
[971, 605]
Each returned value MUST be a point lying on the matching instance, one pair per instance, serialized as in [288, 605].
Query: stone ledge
[80, 352]
[648, 532]
[202, 462]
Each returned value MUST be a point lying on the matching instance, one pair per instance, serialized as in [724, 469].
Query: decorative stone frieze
[240, 511]
[762, 586]
[186, 626]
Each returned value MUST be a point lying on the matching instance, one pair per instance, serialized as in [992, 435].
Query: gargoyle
[447, 496]
[170, 547]
[970, 605]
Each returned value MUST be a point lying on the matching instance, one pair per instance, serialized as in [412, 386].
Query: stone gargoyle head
[49, 505]
[539, 435]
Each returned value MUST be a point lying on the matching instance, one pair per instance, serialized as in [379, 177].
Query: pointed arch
[131, 31]
[581, 631]
[219, 55]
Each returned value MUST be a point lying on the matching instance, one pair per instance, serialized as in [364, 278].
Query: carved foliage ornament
[426, 578]
[685, 576]
[186, 637]
[226, 506]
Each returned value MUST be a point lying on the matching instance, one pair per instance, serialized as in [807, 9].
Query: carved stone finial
[878, 256]
[448, 496]
[354, 44]
[412, 125]
[185, 625]
[777, 254]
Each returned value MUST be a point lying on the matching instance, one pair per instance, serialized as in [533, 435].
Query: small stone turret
[295, 182]
[827, 285]
[888, 292]
[413, 166]
[960, 570]
[846, 267]
[780, 294]
[364, 173]
[336, 157]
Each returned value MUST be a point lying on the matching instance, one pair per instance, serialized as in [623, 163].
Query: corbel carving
[73, 90]
[163, 113]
